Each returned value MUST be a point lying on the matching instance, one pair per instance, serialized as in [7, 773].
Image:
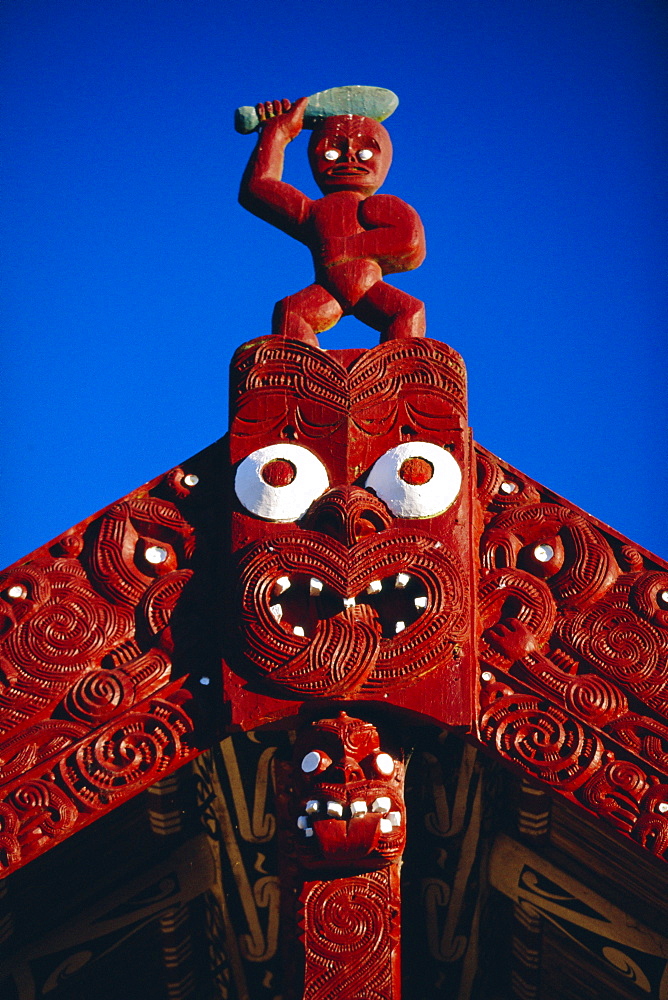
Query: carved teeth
[315, 587]
[335, 809]
[399, 627]
[386, 826]
[381, 805]
[302, 823]
[277, 611]
[420, 602]
[358, 808]
[298, 630]
[394, 818]
[401, 580]
[312, 806]
[374, 587]
[349, 602]
[281, 585]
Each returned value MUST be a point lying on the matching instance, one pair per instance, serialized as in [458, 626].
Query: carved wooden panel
[99, 631]
[574, 654]
[351, 932]
[352, 529]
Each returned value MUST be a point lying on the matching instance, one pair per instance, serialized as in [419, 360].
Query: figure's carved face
[350, 520]
[350, 153]
[349, 796]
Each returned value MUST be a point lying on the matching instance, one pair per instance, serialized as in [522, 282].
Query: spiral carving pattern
[348, 930]
[83, 641]
[595, 699]
[620, 644]
[62, 637]
[134, 753]
[550, 744]
[615, 791]
[98, 695]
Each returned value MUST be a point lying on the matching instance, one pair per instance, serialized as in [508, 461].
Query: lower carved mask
[348, 801]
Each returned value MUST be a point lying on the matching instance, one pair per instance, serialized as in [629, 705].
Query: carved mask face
[351, 494]
[349, 802]
[350, 153]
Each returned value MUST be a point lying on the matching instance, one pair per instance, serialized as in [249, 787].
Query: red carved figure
[349, 807]
[355, 235]
[342, 813]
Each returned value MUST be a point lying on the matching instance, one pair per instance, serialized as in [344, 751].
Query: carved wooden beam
[574, 654]
[102, 660]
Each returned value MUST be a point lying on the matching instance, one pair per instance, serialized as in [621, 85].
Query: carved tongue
[347, 646]
[342, 840]
[339, 657]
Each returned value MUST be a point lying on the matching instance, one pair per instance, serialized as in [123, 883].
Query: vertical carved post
[342, 811]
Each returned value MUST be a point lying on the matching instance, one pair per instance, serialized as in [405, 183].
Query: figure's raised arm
[263, 192]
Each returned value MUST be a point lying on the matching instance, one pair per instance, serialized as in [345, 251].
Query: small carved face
[349, 803]
[350, 153]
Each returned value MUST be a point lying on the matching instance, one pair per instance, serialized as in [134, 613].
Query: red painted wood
[343, 818]
[574, 654]
[92, 709]
[349, 410]
[355, 235]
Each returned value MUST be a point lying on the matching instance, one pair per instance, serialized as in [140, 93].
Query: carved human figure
[355, 235]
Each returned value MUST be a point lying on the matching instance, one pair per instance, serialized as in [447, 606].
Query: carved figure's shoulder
[386, 209]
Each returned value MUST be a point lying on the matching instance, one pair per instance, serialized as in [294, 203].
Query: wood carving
[343, 819]
[355, 236]
[574, 654]
[352, 529]
[91, 712]
[363, 567]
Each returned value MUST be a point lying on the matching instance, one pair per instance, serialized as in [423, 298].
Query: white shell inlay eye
[365, 154]
[311, 761]
[155, 554]
[416, 479]
[385, 764]
[258, 478]
[332, 154]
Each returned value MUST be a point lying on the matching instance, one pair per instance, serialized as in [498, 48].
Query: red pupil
[416, 471]
[278, 472]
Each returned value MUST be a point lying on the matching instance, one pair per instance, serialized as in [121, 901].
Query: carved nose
[348, 514]
[346, 770]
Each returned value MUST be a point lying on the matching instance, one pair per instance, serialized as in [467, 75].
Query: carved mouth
[340, 826]
[385, 812]
[321, 618]
[300, 602]
[349, 168]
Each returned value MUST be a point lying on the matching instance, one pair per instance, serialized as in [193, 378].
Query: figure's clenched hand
[512, 638]
[282, 117]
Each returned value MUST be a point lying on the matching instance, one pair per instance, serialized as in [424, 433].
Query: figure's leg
[303, 315]
[392, 311]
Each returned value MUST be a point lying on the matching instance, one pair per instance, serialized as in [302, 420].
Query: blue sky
[531, 137]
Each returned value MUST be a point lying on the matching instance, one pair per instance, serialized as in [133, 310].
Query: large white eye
[280, 482]
[416, 479]
[332, 154]
[365, 154]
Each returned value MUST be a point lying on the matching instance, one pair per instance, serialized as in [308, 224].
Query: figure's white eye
[316, 761]
[384, 764]
[365, 154]
[280, 482]
[416, 479]
[332, 154]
